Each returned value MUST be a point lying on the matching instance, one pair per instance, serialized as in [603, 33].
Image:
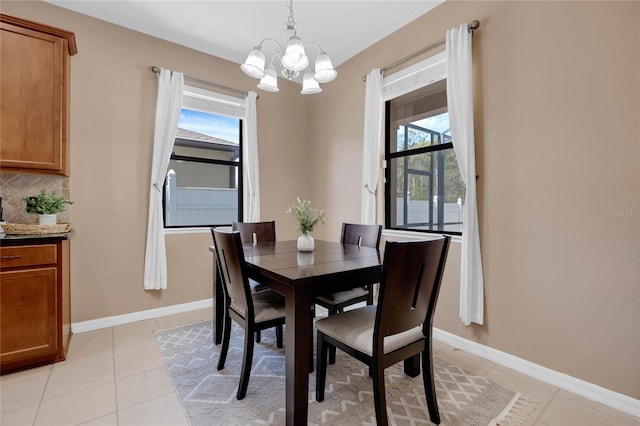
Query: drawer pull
[17, 256]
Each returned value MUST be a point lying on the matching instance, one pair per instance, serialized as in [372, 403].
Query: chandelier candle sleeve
[293, 55]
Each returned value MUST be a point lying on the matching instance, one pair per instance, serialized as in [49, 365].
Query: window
[423, 186]
[203, 186]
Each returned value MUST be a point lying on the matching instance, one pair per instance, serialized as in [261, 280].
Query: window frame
[389, 156]
[237, 164]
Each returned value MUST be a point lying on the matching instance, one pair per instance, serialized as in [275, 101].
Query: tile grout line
[157, 327]
[536, 419]
[544, 408]
[44, 388]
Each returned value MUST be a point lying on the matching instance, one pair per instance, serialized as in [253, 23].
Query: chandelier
[289, 60]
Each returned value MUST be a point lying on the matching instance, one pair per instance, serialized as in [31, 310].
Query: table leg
[298, 342]
[219, 303]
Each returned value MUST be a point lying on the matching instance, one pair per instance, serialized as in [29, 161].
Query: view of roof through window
[214, 125]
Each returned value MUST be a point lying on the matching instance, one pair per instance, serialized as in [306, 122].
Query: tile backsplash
[14, 187]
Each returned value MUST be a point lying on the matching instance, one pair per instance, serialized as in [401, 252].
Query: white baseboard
[579, 387]
[81, 327]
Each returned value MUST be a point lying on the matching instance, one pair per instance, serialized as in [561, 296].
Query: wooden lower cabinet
[34, 305]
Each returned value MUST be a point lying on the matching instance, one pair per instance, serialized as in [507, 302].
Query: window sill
[411, 235]
[181, 231]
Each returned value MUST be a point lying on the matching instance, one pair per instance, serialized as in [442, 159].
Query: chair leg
[321, 366]
[332, 355]
[311, 366]
[226, 337]
[258, 336]
[279, 336]
[412, 366]
[429, 385]
[370, 294]
[332, 349]
[246, 364]
[379, 398]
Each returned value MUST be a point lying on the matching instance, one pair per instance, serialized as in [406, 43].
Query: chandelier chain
[291, 23]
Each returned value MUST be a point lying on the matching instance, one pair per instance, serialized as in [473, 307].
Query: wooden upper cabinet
[34, 95]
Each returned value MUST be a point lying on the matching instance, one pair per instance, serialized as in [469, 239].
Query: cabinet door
[33, 129]
[28, 320]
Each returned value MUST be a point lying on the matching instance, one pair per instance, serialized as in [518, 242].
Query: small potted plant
[308, 217]
[46, 206]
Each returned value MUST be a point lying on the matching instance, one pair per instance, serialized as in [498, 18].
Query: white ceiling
[229, 29]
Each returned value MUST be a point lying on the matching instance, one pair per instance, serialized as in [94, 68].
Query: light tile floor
[116, 376]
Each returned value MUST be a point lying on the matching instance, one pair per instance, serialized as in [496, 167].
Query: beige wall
[557, 134]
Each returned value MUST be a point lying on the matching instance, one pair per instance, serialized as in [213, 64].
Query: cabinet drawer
[12, 257]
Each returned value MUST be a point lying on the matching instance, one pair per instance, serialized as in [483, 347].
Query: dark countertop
[24, 239]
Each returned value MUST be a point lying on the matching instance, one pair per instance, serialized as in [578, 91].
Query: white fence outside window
[186, 206]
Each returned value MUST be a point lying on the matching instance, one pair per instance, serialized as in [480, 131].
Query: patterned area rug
[208, 396]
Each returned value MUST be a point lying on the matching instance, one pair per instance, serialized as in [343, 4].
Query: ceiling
[229, 29]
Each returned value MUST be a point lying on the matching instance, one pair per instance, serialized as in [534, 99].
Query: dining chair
[252, 233]
[255, 232]
[253, 311]
[398, 327]
[361, 235]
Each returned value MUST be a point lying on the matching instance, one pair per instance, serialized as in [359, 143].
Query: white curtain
[460, 104]
[251, 175]
[373, 113]
[169, 103]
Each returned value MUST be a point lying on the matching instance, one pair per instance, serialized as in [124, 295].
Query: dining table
[300, 277]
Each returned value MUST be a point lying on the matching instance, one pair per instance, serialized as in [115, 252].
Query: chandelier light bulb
[295, 58]
[309, 84]
[324, 69]
[270, 81]
[254, 65]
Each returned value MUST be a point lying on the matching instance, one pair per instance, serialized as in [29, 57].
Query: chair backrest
[362, 235]
[255, 232]
[409, 285]
[231, 264]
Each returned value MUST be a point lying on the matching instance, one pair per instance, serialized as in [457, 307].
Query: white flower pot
[305, 242]
[48, 219]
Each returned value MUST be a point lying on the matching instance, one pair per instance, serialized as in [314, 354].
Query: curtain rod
[471, 27]
[156, 70]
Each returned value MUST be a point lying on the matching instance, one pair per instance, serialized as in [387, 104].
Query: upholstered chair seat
[340, 297]
[355, 328]
[267, 305]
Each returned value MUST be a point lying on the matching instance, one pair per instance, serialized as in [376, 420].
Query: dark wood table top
[282, 262]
